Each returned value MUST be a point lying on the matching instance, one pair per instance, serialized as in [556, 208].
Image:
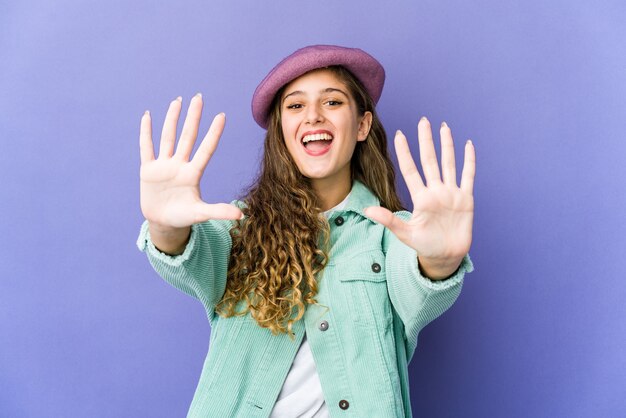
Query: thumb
[205, 211]
[385, 217]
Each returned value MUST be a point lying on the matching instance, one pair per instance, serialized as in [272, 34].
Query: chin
[313, 173]
[314, 176]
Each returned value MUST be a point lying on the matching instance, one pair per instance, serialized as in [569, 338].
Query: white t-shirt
[301, 395]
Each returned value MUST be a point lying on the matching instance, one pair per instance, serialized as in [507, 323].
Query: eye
[294, 106]
[334, 102]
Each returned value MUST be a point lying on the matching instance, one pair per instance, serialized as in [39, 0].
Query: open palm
[440, 227]
[170, 184]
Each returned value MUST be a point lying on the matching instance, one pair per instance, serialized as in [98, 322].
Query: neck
[331, 191]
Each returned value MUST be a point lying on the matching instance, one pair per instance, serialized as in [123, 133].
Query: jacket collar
[360, 198]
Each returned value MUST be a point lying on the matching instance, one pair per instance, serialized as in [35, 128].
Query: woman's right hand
[170, 184]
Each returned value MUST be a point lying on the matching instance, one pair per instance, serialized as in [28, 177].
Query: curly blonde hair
[280, 249]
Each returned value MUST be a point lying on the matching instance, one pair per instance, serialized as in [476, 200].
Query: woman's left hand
[440, 228]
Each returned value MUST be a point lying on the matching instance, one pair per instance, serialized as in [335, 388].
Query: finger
[146, 148]
[469, 168]
[190, 128]
[407, 165]
[448, 168]
[205, 211]
[385, 217]
[428, 157]
[168, 135]
[209, 143]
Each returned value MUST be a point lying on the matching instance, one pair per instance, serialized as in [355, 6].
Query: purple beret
[362, 65]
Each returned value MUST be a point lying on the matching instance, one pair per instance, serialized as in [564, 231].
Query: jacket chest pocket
[363, 285]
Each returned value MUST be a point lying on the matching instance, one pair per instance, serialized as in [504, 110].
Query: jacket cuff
[145, 244]
[404, 252]
[466, 266]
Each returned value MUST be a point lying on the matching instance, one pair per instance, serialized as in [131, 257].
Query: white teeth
[316, 137]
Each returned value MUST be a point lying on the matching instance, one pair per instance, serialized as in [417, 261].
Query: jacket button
[343, 404]
[323, 326]
[376, 268]
[339, 221]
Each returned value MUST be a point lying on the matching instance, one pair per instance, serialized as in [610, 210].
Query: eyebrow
[326, 90]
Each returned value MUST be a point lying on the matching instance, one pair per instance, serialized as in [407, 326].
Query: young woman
[316, 284]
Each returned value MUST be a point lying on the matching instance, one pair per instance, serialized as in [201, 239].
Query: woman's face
[321, 125]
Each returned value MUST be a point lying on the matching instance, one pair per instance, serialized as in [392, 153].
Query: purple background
[88, 329]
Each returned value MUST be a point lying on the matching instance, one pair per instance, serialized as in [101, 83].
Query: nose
[313, 115]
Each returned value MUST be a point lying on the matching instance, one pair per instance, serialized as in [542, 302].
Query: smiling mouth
[316, 137]
[317, 143]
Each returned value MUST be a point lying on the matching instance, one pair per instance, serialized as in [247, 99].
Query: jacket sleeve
[200, 271]
[416, 299]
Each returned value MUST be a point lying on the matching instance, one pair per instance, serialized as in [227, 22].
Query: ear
[364, 126]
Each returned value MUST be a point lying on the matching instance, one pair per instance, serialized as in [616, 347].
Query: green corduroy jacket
[372, 303]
